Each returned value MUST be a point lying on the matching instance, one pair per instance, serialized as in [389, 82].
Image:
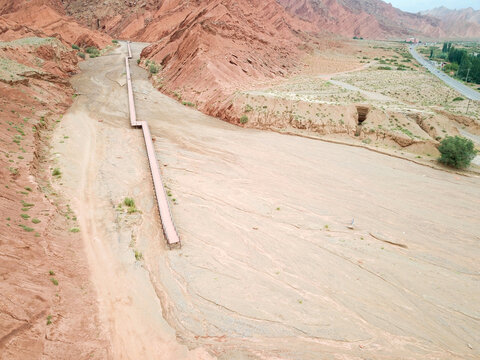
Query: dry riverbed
[268, 267]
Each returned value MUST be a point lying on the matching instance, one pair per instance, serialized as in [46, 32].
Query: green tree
[456, 151]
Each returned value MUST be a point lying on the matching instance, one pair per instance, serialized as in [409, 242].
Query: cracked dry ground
[268, 267]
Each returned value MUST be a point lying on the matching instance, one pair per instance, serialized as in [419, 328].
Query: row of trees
[468, 64]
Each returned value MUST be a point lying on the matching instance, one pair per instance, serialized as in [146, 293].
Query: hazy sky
[418, 5]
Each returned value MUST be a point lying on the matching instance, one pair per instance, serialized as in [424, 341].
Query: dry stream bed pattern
[268, 267]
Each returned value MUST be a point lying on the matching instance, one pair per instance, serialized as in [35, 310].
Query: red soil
[47, 17]
[220, 46]
[48, 306]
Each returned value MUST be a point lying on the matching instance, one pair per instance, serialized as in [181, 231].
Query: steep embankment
[220, 47]
[45, 18]
[47, 303]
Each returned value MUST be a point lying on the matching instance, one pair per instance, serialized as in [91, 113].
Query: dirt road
[268, 267]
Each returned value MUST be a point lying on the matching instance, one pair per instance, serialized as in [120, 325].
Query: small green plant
[75, 47]
[138, 255]
[456, 151]
[92, 50]
[49, 319]
[25, 216]
[81, 55]
[384, 68]
[35, 221]
[244, 119]
[115, 41]
[56, 172]
[28, 188]
[26, 228]
[129, 202]
[74, 230]
[54, 281]
[248, 108]
[138, 61]
[458, 98]
[153, 69]
[51, 272]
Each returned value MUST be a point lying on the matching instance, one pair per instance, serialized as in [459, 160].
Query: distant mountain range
[457, 23]
[379, 20]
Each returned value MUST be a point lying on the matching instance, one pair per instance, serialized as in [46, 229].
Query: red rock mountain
[363, 18]
[464, 23]
[20, 18]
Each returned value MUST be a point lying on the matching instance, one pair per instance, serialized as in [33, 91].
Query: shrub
[153, 69]
[82, 55]
[138, 255]
[56, 172]
[115, 41]
[456, 151]
[75, 47]
[244, 119]
[129, 202]
[458, 98]
[26, 228]
[74, 230]
[91, 50]
[35, 220]
[384, 68]
[138, 61]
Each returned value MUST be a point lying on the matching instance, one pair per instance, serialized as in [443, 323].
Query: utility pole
[468, 72]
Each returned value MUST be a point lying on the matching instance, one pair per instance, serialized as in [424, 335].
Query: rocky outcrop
[48, 305]
[221, 45]
[45, 18]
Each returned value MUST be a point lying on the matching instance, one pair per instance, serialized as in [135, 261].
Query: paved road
[475, 139]
[457, 85]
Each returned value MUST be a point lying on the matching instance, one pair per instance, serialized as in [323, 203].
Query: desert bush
[456, 151]
[384, 68]
[458, 98]
[91, 50]
[129, 202]
[244, 119]
[115, 41]
[81, 54]
[75, 47]
[153, 69]
[56, 172]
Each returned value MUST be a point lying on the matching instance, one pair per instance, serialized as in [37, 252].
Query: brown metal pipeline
[166, 218]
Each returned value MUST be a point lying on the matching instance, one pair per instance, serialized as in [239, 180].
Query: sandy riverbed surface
[268, 267]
